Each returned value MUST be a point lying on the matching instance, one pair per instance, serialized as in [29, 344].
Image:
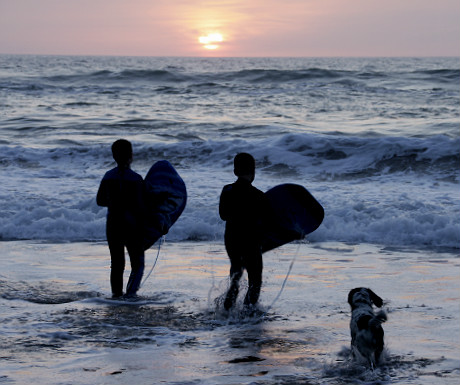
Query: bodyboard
[294, 214]
[166, 197]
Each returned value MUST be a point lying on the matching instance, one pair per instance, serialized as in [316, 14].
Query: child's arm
[102, 198]
[224, 205]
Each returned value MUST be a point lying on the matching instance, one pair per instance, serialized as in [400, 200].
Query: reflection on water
[61, 331]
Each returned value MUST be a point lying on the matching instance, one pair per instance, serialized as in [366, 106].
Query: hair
[244, 164]
[122, 151]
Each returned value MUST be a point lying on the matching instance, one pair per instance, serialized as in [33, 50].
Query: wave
[172, 76]
[270, 75]
[338, 156]
[255, 75]
[357, 215]
[146, 75]
[353, 157]
[375, 189]
[317, 90]
[376, 140]
[440, 75]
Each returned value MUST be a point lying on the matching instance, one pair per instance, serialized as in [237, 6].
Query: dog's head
[362, 295]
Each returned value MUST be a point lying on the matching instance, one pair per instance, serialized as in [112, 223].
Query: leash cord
[284, 282]
[283, 285]
[154, 263]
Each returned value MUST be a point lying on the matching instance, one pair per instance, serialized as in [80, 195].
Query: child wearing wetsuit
[243, 207]
[122, 192]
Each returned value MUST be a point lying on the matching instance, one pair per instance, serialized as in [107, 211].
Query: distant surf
[375, 140]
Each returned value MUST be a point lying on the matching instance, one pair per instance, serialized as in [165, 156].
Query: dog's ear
[351, 294]
[375, 298]
[363, 322]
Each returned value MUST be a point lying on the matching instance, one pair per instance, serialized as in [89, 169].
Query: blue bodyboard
[166, 197]
[294, 214]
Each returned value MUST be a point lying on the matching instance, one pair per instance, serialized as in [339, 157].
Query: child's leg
[117, 266]
[137, 258]
[236, 271]
[117, 255]
[254, 268]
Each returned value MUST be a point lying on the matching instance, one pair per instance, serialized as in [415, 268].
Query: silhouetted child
[122, 192]
[243, 207]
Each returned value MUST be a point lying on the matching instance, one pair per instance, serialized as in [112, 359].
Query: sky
[229, 28]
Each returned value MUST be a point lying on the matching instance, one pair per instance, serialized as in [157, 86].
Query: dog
[365, 326]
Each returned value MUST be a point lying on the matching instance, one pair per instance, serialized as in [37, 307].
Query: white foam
[388, 190]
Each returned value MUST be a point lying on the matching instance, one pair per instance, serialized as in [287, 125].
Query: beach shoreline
[56, 312]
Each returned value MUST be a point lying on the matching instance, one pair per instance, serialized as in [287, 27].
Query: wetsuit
[122, 191]
[243, 207]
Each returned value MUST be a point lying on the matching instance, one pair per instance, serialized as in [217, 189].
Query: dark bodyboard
[166, 197]
[295, 213]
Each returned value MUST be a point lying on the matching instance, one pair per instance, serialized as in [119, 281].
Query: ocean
[375, 140]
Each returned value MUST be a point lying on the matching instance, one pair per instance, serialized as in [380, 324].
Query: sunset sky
[231, 27]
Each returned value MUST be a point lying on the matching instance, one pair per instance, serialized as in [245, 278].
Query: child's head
[122, 152]
[244, 165]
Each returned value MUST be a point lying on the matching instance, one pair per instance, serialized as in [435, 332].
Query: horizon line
[234, 57]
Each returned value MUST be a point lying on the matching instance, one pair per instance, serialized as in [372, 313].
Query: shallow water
[58, 327]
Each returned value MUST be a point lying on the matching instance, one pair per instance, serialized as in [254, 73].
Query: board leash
[284, 282]
[162, 239]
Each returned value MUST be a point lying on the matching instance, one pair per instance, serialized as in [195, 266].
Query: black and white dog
[365, 326]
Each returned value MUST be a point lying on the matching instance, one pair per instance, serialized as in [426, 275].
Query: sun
[210, 40]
